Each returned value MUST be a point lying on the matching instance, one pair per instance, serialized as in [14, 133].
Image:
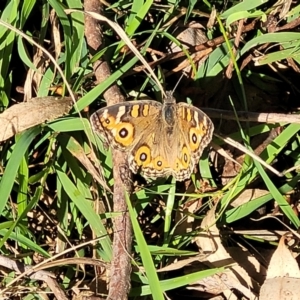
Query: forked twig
[269, 118]
[239, 146]
[42, 275]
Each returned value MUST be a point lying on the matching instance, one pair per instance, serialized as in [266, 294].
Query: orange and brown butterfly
[159, 139]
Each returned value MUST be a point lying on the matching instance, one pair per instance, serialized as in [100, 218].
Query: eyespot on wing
[142, 156]
[123, 133]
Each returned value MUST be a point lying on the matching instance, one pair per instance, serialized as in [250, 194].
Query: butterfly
[159, 139]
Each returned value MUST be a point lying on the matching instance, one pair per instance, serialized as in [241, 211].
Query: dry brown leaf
[283, 276]
[78, 152]
[212, 285]
[265, 234]
[283, 263]
[281, 288]
[182, 263]
[34, 75]
[55, 33]
[28, 114]
[254, 268]
[210, 242]
[189, 35]
[248, 195]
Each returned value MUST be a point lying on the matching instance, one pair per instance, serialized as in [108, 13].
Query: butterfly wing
[153, 155]
[154, 147]
[195, 130]
[123, 125]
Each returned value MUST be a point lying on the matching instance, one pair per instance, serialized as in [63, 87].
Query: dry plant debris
[36, 111]
[65, 225]
[283, 275]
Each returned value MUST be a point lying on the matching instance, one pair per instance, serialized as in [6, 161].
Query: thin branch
[244, 116]
[120, 271]
[45, 276]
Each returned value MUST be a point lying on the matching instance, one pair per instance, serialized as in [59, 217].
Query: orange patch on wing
[185, 157]
[188, 115]
[159, 163]
[143, 156]
[135, 111]
[108, 122]
[195, 137]
[183, 113]
[177, 165]
[145, 110]
[124, 133]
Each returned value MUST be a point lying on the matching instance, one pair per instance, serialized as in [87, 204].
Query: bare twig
[48, 262]
[119, 284]
[235, 47]
[239, 146]
[269, 118]
[207, 46]
[45, 276]
[290, 25]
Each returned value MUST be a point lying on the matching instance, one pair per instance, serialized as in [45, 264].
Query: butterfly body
[159, 139]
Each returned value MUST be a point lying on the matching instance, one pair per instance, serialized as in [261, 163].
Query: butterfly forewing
[196, 126]
[122, 125]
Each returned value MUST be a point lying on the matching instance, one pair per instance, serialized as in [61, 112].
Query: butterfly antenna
[175, 87]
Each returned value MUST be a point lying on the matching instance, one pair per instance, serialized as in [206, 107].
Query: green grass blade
[246, 5]
[30, 205]
[276, 37]
[246, 209]
[150, 270]
[25, 241]
[168, 213]
[26, 10]
[88, 212]
[170, 284]
[12, 166]
[23, 176]
[278, 197]
[7, 38]
[75, 42]
[245, 15]
[278, 56]
[139, 10]
[88, 98]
